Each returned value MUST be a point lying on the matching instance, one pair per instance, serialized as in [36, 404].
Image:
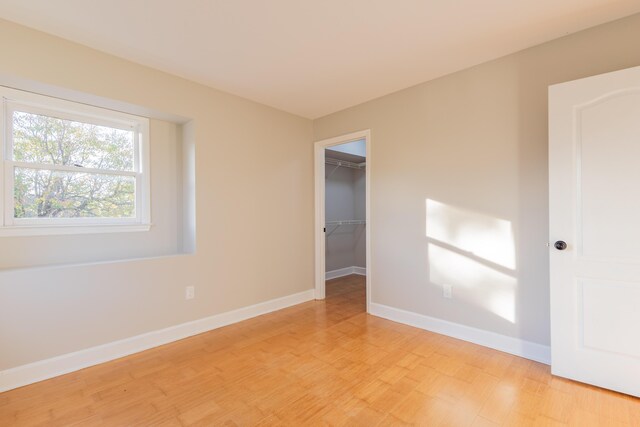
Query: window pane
[57, 194]
[43, 139]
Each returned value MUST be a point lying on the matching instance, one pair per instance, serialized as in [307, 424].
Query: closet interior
[345, 209]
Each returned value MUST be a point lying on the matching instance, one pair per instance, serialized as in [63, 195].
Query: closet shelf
[347, 222]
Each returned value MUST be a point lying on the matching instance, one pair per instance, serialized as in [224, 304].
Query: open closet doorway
[343, 238]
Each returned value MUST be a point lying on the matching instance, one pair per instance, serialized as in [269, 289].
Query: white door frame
[319, 148]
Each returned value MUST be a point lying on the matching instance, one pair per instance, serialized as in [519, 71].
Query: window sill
[45, 230]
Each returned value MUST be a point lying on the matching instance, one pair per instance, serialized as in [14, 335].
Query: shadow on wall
[475, 255]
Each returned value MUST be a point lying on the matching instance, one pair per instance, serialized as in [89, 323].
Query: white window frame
[12, 100]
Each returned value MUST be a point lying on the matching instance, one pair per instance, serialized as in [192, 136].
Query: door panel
[610, 315]
[594, 204]
[608, 134]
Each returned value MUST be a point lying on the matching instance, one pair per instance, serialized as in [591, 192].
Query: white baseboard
[59, 365]
[334, 274]
[529, 350]
[361, 271]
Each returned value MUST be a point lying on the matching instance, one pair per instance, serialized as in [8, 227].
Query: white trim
[54, 230]
[17, 83]
[3, 155]
[73, 169]
[361, 271]
[319, 170]
[60, 365]
[341, 272]
[347, 271]
[320, 224]
[18, 100]
[143, 167]
[528, 350]
[36, 103]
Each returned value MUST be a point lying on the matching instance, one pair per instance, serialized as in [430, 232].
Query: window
[71, 168]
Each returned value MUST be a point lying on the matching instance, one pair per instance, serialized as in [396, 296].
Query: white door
[594, 185]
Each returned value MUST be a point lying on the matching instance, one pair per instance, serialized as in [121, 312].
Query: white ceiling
[312, 57]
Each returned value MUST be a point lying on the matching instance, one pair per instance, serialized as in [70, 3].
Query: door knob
[560, 245]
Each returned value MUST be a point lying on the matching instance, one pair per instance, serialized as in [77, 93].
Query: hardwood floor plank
[318, 363]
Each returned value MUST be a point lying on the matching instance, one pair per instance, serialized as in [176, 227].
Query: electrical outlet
[190, 292]
[447, 291]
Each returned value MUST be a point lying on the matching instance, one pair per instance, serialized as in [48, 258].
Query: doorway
[342, 189]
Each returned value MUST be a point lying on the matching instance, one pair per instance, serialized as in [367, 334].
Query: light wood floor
[318, 363]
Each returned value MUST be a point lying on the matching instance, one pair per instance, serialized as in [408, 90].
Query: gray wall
[472, 144]
[164, 238]
[459, 182]
[360, 212]
[344, 200]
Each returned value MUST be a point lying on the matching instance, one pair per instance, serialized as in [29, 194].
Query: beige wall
[254, 237]
[459, 182]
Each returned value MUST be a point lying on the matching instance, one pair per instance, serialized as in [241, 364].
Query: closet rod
[346, 164]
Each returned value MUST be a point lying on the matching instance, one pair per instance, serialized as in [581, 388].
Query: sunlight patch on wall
[475, 254]
[487, 237]
[471, 277]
